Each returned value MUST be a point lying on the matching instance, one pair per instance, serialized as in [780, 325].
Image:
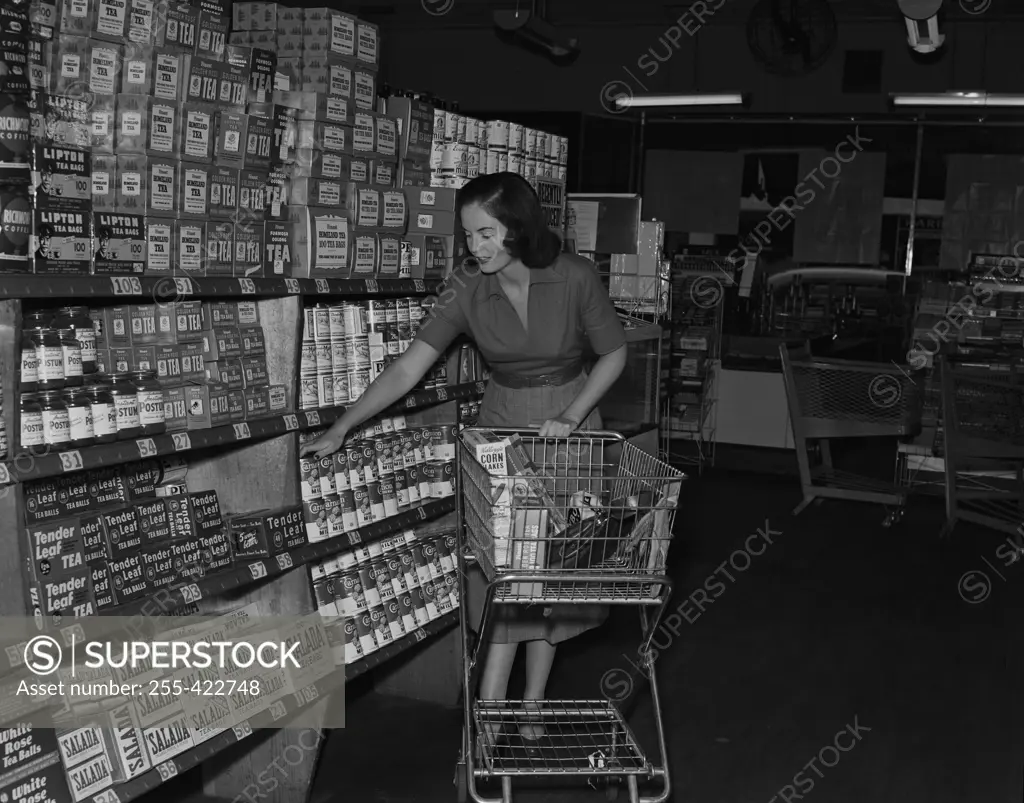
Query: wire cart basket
[845, 399]
[983, 428]
[553, 522]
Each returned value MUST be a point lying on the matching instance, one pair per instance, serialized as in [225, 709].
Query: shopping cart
[845, 399]
[983, 441]
[591, 526]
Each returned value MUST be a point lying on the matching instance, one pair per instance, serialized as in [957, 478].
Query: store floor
[841, 625]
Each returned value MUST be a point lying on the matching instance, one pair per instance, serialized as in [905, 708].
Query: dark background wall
[456, 54]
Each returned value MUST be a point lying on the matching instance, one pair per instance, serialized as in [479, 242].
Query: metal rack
[698, 287]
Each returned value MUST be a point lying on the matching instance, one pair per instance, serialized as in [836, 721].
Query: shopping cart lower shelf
[579, 521]
[580, 737]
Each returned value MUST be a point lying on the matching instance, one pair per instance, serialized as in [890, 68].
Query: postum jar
[104, 413]
[126, 403]
[56, 426]
[72, 358]
[32, 435]
[151, 402]
[79, 417]
[49, 358]
[78, 321]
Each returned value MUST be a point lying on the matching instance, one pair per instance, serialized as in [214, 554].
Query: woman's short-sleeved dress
[569, 315]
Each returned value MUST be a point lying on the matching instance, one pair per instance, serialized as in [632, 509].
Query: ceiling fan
[792, 37]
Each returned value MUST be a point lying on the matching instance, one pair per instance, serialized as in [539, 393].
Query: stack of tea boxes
[130, 535]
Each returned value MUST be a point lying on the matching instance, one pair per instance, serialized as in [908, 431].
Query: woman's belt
[552, 380]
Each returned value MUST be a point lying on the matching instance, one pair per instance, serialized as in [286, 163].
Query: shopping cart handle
[534, 432]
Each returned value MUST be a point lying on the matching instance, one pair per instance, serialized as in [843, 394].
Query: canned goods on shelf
[497, 134]
[388, 495]
[460, 159]
[517, 164]
[347, 507]
[368, 461]
[473, 159]
[360, 495]
[453, 121]
[516, 138]
[76, 320]
[530, 142]
[449, 156]
[309, 478]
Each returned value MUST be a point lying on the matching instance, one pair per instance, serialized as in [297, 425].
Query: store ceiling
[590, 13]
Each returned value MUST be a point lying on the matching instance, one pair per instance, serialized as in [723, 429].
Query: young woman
[532, 312]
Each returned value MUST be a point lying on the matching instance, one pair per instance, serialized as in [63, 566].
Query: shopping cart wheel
[461, 783]
[893, 517]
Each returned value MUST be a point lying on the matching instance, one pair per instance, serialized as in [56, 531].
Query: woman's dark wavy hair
[509, 198]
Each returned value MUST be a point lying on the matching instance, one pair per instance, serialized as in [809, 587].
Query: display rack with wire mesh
[689, 420]
[830, 399]
[983, 426]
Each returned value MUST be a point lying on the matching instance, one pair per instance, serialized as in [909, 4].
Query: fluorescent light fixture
[958, 99]
[659, 101]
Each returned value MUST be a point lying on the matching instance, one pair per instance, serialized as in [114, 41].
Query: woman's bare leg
[540, 655]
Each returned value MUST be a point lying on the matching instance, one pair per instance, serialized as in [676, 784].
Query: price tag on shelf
[353, 537]
[410, 401]
[147, 447]
[307, 695]
[191, 593]
[442, 394]
[292, 286]
[372, 286]
[107, 796]
[291, 423]
[312, 418]
[182, 442]
[241, 431]
[420, 634]
[183, 286]
[322, 286]
[278, 710]
[71, 461]
[420, 285]
[126, 285]
[247, 286]
[167, 770]
[481, 387]
[284, 561]
[242, 731]
[422, 513]
[258, 570]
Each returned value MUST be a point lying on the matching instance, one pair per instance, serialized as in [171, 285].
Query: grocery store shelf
[175, 288]
[375, 659]
[32, 467]
[274, 717]
[253, 571]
